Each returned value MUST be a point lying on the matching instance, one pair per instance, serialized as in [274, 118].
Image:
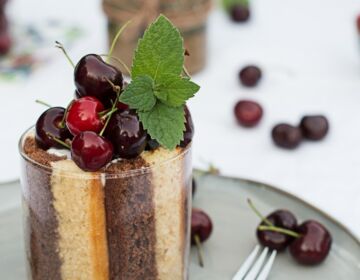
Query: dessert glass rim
[92, 175]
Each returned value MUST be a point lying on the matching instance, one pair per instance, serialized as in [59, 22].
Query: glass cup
[128, 221]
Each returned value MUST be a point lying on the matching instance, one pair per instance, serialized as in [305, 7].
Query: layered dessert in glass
[105, 195]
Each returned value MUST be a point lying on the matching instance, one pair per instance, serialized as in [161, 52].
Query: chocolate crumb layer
[41, 223]
[130, 223]
[37, 154]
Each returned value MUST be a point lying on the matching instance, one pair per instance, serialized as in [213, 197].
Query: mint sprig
[158, 91]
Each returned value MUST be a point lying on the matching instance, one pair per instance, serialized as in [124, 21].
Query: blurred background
[308, 53]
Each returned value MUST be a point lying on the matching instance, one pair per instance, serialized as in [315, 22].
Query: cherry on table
[126, 133]
[201, 229]
[314, 127]
[286, 136]
[189, 128]
[92, 75]
[240, 13]
[5, 42]
[314, 244]
[83, 115]
[358, 23]
[276, 240]
[248, 113]
[49, 125]
[250, 75]
[90, 151]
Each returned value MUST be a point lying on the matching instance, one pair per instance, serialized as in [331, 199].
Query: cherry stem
[280, 230]
[61, 47]
[58, 140]
[116, 39]
[257, 212]
[118, 89]
[43, 103]
[199, 249]
[109, 113]
[119, 61]
[62, 123]
[102, 113]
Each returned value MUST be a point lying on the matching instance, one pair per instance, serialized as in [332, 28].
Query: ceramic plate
[233, 237]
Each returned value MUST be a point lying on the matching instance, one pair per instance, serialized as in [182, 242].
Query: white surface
[311, 61]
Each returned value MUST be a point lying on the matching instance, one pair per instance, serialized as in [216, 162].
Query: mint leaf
[174, 90]
[139, 94]
[160, 51]
[165, 124]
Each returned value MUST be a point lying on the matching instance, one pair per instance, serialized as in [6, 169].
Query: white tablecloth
[310, 57]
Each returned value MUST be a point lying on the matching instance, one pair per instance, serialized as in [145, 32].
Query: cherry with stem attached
[201, 229]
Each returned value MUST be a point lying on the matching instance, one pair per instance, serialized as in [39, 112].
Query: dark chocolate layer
[130, 221]
[41, 223]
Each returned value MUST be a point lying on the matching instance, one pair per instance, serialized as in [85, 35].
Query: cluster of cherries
[5, 38]
[312, 128]
[249, 113]
[96, 127]
[309, 242]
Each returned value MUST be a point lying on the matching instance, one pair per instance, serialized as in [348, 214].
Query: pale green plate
[233, 237]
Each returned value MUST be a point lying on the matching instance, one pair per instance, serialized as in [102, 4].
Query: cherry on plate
[276, 240]
[286, 136]
[240, 13]
[90, 151]
[93, 77]
[126, 133]
[314, 127]
[49, 125]
[248, 113]
[201, 229]
[201, 226]
[314, 244]
[83, 115]
[250, 75]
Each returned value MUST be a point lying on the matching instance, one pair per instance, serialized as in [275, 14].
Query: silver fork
[251, 269]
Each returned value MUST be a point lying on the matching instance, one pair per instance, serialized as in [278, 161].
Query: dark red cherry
[250, 75]
[126, 134]
[201, 225]
[314, 127]
[358, 23]
[83, 115]
[314, 244]
[275, 240]
[248, 113]
[50, 125]
[189, 128]
[240, 13]
[90, 151]
[5, 42]
[92, 75]
[286, 136]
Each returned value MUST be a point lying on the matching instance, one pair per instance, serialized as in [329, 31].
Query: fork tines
[256, 267]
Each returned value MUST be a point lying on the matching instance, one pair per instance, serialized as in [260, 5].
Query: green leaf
[165, 124]
[139, 94]
[174, 90]
[160, 51]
